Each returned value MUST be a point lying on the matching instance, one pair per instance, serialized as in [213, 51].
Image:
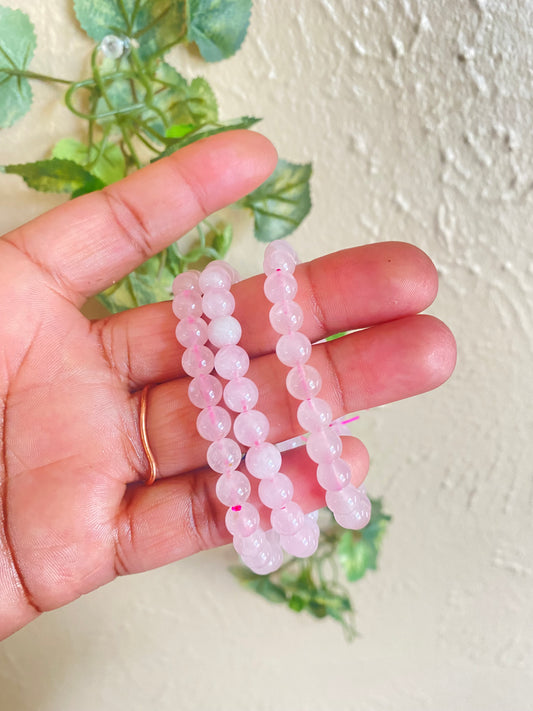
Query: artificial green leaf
[356, 555]
[297, 603]
[261, 584]
[217, 26]
[222, 241]
[56, 176]
[156, 25]
[176, 102]
[280, 204]
[149, 283]
[17, 45]
[108, 164]
[179, 130]
[358, 550]
[205, 131]
[202, 102]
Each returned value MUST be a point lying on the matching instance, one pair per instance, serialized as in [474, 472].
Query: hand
[74, 513]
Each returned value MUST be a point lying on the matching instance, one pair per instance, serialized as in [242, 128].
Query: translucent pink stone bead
[357, 518]
[224, 455]
[324, 446]
[214, 276]
[251, 428]
[205, 391]
[286, 317]
[279, 260]
[241, 394]
[197, 360]
[333, 475]
[293, 348]
[187, 303]
[263, 460]
[218, 302]
[224, 331]
[288, 519]
[281, 245]
[191, 331]
[344, 500]
[276, 491]
[213, 423]
[242, 520]
[303, 382]
[304, 542]
[314, 414]
[233, 488]
[187, 280]
[250, 545]
[232, 362]
[280, 286]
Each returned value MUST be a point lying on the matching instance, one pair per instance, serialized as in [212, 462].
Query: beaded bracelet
[350, 505]
[297, 534]
[209, 293]
[258, 550]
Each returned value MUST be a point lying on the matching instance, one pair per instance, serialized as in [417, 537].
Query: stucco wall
[418, 119]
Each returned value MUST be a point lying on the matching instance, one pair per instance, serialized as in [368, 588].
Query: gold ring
[144, 439]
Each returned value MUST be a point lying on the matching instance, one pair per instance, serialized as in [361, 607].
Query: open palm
[74, 513]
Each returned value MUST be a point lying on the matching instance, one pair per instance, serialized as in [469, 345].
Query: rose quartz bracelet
[259, 551]
[350, 505]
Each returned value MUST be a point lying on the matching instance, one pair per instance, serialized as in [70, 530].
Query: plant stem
[34, 75]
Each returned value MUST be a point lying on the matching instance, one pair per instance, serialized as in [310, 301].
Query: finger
[90, 243]
[180, 516]
[381, 364]
[350, 289]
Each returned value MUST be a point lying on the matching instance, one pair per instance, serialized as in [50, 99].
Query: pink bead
[224, 455]
[280, 286]
[278, 260]
[241, 394]
[232, 362]
[224, 331]
[304, 542]
[242, 520]
[251, 428]
[314, 414]
[198, 360]
[214, 276]
[205, 390]
[218, 302]
[288, 519]
[276, 491]
[286, 317]
[281, 245]
[233, 488]
[303, 382]
[259, 560]
[250, 545]
[263, 460]
[293, 348]
[190, 331]
[324, 446]
[357, 518]
[344, 500]
[186, 280]
[213, 423]
[334, 475]
[187, 303]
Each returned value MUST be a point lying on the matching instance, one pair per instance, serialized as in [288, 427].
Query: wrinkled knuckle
[128, 222]
[206, 518]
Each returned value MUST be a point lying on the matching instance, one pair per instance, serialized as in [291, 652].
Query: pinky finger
[180, 516]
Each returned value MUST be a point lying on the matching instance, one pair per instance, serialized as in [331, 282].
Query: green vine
[137, 109]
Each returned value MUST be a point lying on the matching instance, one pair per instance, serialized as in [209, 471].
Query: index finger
[88, 244]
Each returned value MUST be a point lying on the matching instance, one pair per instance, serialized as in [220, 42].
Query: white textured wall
[418, 117]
